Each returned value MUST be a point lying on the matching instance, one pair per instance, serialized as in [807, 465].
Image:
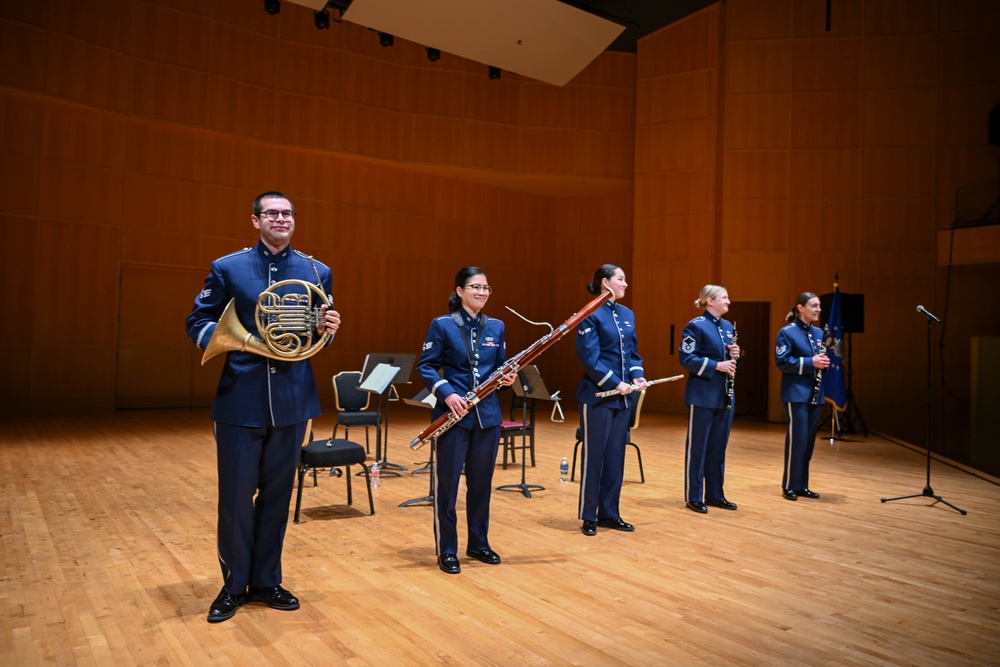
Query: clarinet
[731, 379]
[818, 373]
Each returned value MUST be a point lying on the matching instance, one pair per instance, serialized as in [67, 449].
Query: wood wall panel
[19, 186]
[372, 82]
[827, 224]
[308, 70]
[242, 54]
[160, 203]
[20, 300]
[308, 121]
[72, 376]
[847, 17]
[490, 145]
[606, 108]
[77, 269]
[756, 121]
[543, 105]
[826, 64]
[239, 163]
[826, 172]
[962, 114]
[678, 192]
[686, 52]
[431, 139]
[433, 91]
[971, 15]
[758, 67]
[826, 119]
[961, 167]
[82, 136]
[164, 150]
[25, 115]
[370, 131]
[611, 68]
[108, 24]
[900, 61]
[900, 117]
[897, 224]
[760, 173]
[87, 73]
[759, 19]
[314, 173]
[156, 246]
[546, 151]
[605, 154]
[756, 224]
[240, 108]
[491, 101]
[681, 96]
[898, 172]
[70, 191]
[900, 16]
[25, 45]
[683, 145]
[170, 93]
[171, 37]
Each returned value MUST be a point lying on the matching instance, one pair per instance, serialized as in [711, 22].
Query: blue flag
[833, 376]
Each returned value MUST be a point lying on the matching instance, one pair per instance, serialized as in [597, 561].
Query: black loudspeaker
[995, 127]
[852, 311]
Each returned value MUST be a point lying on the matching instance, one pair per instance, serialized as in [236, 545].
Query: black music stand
[424, 399]
[404, 362]
[928, 492]
[529, 385]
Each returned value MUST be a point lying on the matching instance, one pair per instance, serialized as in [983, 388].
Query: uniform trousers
[476, 449]
[800, 438]
[261, 462]
[605, 432]
[705, 452]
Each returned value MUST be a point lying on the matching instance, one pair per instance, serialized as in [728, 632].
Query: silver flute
[612, 392]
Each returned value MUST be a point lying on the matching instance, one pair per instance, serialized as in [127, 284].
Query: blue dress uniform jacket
[608, 349]
[793, 353]
[701, 350]
[466, 354]
[256, 391]
[449, 347]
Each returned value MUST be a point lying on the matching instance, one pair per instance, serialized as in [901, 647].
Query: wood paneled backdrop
[744, 145]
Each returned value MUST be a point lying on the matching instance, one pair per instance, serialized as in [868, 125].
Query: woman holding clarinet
[710, 354]
[800, 354]
[606, 346]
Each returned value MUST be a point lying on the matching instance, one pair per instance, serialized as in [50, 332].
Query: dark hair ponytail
[454, 303]
[800, 300]
[606, 271]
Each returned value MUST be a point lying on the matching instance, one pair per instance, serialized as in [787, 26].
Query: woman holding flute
[607, 348]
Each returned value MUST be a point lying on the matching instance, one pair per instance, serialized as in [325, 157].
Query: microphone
[930, 315]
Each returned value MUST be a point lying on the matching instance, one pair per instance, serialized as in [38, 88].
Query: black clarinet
[731, 379]
[818, 373]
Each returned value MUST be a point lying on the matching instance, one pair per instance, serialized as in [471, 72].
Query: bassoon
[512, 365]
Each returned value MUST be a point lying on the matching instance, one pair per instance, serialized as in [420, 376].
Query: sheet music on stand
[379, 379]
[424, 399]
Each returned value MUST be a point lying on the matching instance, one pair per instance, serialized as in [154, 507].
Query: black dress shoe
[616, 523]
[274, 597]
[449, 563]
[696, 506]
[721, 503]
[790, 495]
[807, 493]
[224, 606]
[589, 528]
[487, 555]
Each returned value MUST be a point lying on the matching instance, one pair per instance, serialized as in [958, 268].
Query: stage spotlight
[272, 7]
[433, 54]
[494, 73]
[385, 39]
[322, 19]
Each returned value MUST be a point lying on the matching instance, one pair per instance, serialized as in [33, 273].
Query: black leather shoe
[790, 495]
[721, 503]
[616, 523]
[807, 493]
[696, 506]
[449, 563]
[589, 528]
[274, 597]
[487, 556]
[224, 606]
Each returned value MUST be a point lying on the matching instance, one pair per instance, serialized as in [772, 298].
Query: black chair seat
[332, 453]
[359, 418]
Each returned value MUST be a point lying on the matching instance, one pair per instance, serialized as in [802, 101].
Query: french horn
[286, 324]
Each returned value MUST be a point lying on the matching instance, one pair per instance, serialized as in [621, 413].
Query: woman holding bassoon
[607, 348]
[800, 354]
[710, 353]
[461, 350]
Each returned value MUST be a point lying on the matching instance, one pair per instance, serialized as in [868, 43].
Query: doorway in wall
[753, 324]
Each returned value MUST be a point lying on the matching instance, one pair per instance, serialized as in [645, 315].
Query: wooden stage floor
[108, 557]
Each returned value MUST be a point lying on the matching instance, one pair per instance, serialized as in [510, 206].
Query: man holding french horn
[266, 395]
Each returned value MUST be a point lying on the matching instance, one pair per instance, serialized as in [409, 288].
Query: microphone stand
[928, 492]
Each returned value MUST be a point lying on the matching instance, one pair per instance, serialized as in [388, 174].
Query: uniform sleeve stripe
[703, 364]
[437, 384]
[604, 379]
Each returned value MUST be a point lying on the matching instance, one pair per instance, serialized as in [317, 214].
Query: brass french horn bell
[286, 324]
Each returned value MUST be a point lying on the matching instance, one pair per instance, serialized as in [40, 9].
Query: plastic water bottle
[564, 470]
[376, 473]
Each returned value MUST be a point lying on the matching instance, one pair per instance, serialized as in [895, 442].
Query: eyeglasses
[273, 215]
[479, 288]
